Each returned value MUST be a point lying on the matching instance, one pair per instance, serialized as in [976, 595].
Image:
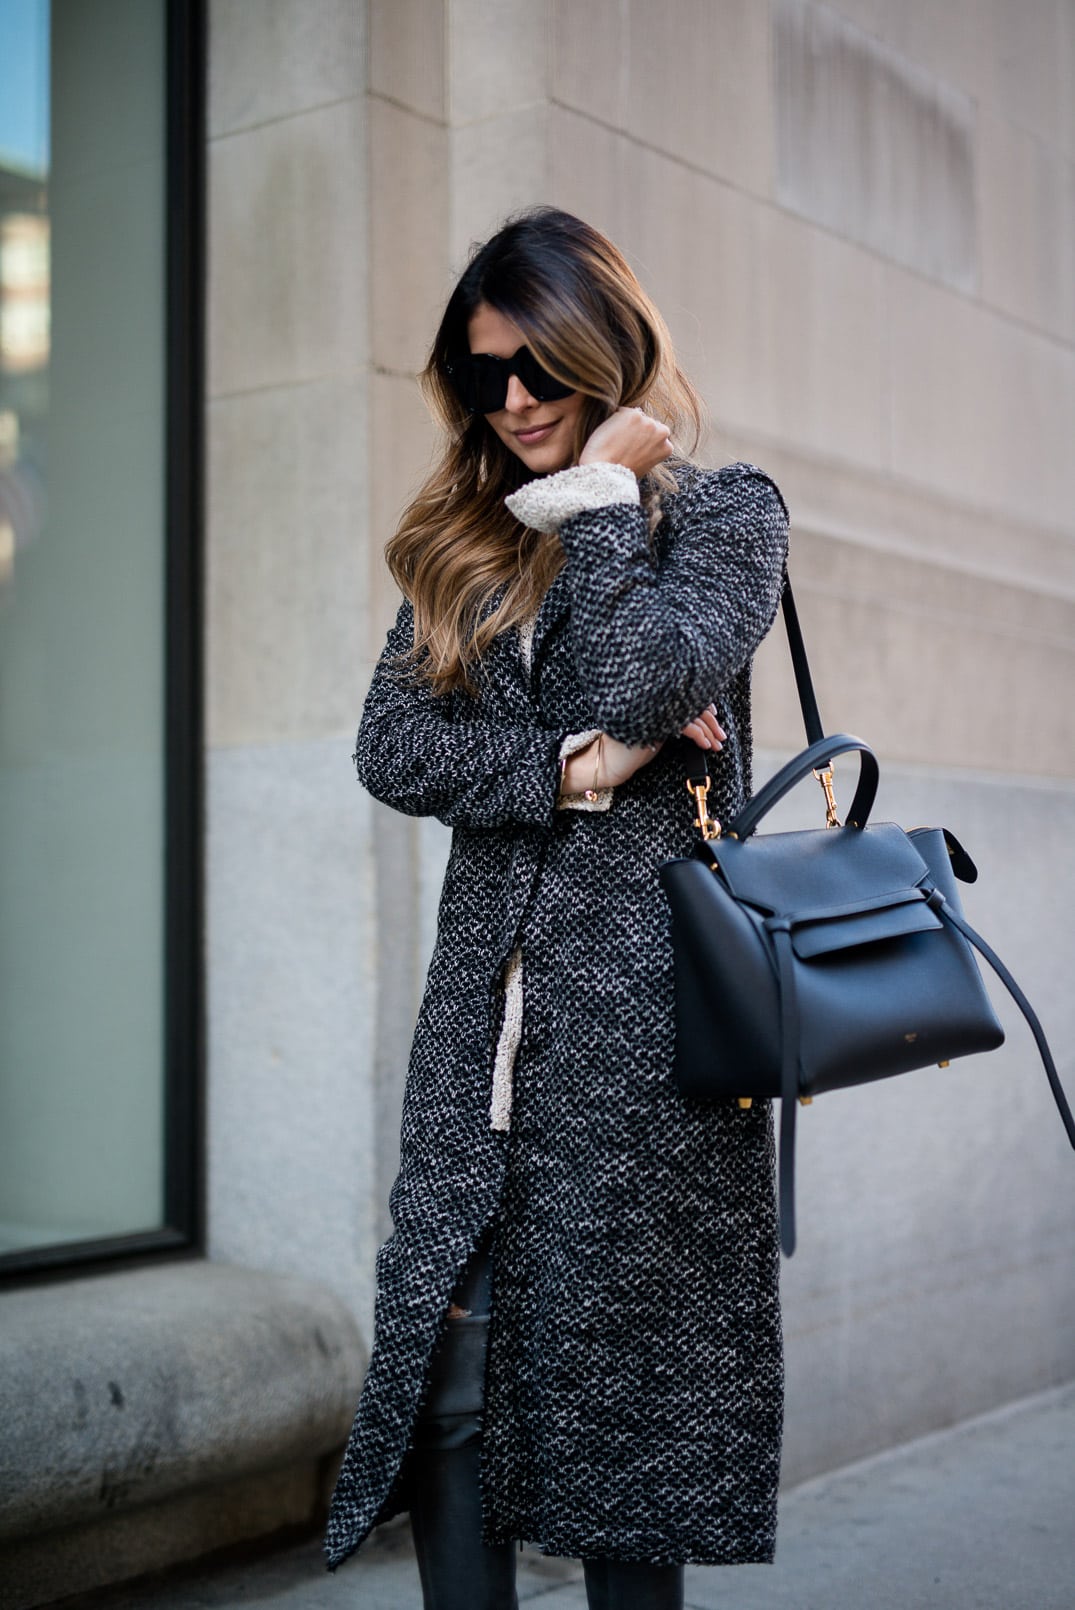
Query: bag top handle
[800, 766]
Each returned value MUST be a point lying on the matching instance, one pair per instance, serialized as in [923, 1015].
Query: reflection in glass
[81, 619]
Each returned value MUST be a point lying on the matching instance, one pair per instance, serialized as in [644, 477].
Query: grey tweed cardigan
[634, 1383]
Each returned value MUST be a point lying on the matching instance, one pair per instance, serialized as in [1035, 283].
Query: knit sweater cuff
[545, 503]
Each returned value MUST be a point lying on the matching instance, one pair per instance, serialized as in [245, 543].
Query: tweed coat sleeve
[415, 753]
[656, 638]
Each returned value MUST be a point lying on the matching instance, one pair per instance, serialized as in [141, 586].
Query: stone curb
[124, 1389]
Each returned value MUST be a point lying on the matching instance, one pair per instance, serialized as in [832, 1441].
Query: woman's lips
[538, 434]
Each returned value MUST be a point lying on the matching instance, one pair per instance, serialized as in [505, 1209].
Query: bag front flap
[888, 916]
[818, 868]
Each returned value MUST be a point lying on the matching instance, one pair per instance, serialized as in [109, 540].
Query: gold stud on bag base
[746, 1102]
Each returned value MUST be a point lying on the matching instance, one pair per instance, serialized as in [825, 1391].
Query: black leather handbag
[813, 960]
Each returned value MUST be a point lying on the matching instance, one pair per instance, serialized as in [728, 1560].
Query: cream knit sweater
[544, 504]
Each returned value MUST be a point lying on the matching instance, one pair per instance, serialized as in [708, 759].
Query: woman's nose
[518, 399]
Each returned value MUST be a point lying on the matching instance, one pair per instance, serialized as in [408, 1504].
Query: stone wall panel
[873, 146]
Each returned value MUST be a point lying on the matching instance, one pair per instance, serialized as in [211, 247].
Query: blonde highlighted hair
[464, 562]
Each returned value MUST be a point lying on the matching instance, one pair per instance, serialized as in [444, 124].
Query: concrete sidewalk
[981, 1517]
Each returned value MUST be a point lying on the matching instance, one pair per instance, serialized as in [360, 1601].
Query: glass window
[83, 621]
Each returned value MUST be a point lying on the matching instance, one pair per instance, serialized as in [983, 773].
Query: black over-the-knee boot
[458, 1570]
[632, 1585]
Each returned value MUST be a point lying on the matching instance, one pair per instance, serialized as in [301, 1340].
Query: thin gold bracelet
[591, 793]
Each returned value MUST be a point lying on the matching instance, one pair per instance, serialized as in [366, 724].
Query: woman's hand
[705, 730]
[629, 436]
[605, 767]
[614, 763]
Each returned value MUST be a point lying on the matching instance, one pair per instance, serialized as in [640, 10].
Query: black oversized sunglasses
[482, 380]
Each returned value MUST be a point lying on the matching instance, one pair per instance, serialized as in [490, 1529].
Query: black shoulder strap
[803, 680]
[697, 771]
[1024, 1006]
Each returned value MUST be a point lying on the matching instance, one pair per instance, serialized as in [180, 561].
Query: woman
[577, 1336]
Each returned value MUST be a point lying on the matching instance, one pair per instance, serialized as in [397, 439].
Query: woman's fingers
[705, 730]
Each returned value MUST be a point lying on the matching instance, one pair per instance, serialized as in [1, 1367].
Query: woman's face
[542, 434]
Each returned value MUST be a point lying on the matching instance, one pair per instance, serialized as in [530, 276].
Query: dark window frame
[183, 1141]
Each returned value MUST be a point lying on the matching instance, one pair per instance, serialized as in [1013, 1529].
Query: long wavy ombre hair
[466, 565]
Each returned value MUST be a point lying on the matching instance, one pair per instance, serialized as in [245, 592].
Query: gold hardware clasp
[806, 1101]
[746, 1102]
[707, 825]
[825, 779]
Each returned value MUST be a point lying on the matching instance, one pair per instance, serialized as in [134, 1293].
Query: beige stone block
[699, 87]
[895, 515]
[693, 242]
[588, 67]
[947, 40]
[410, 208]
[1017, 60]
[982, 409]
[408, 53]
[1027, 207]
[873, 146]
[820, 351]
[497, 167]
[499, 57]
[278, 57]
[1067, 57]
[781, 325]
[287, 250]
[595, 189]
[402, 444]
[1024, 64]
[287, 565]
[930, 664]
[865, 14]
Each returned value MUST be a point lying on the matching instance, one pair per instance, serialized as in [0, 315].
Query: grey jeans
[450, 1412]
